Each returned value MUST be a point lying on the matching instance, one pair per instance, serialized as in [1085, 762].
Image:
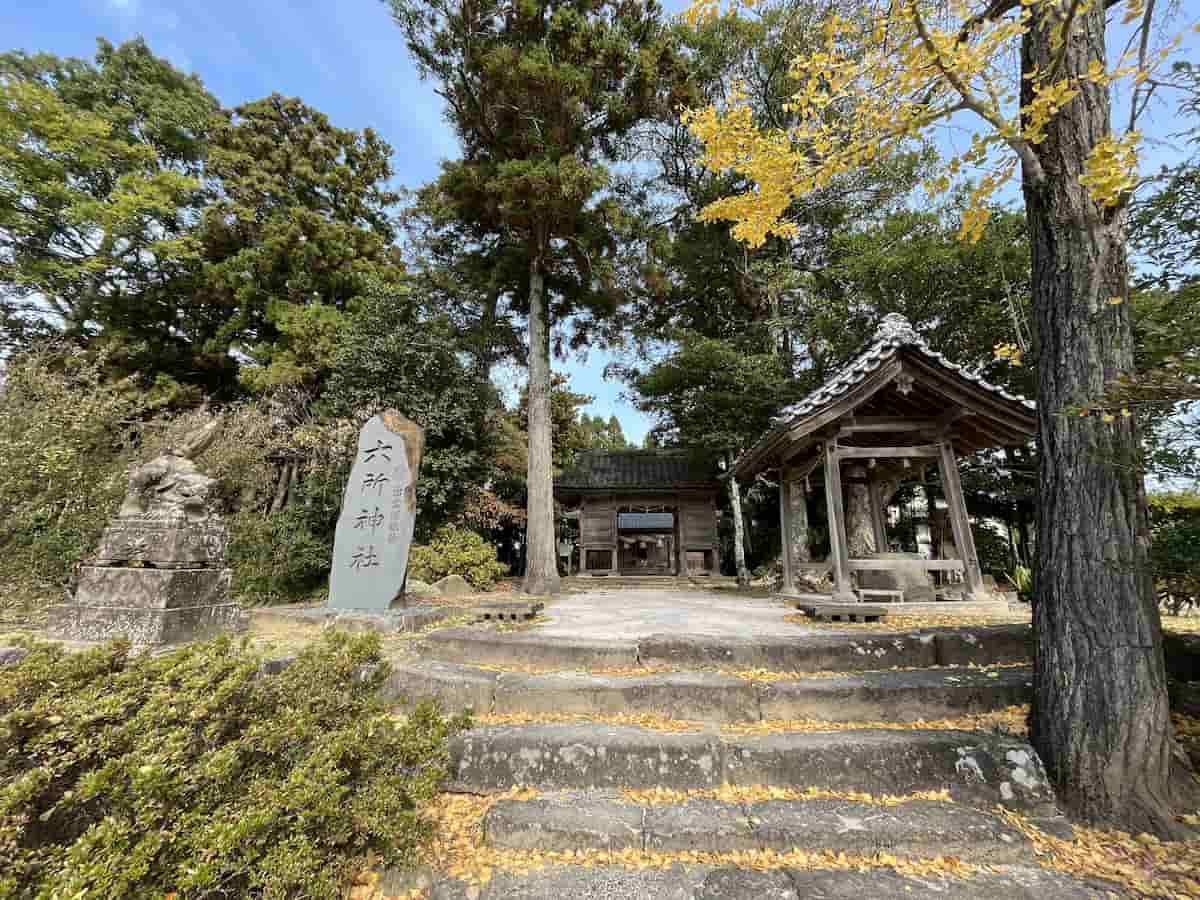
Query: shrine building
[895, 410]
[643, 512]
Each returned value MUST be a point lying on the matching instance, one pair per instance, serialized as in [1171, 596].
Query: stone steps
[978, 769]
[706, 696]
[912, 830]
[708, 882]
[831, 651]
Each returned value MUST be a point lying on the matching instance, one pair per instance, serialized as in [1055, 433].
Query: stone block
[809, 653]
[453, 586]
[467, 645]
[702, 825]
[582, 757]
[573, 822]
[697, 696]
[900, 696]
[977, 768]
[984, 646]
[163, 543]
[921, 828]
[141, 625]
[455, 687]
[144, 588]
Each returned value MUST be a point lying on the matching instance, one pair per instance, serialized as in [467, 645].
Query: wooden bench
[892, 596]
[845, 612]
[513, 611]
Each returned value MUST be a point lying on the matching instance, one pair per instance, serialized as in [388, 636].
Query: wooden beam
[837, 523]
[858, 425]
[887, 565]
[923, 451]
[959, 523]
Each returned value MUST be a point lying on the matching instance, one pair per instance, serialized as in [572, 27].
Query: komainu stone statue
[159, 574]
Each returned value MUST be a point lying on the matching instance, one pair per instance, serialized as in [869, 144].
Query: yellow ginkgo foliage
[882, 74]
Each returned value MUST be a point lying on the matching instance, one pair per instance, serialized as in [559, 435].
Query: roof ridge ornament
[896, 328]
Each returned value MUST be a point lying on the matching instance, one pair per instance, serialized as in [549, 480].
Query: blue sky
[346, 58]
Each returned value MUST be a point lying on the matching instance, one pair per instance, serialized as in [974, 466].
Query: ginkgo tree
[1033, 80]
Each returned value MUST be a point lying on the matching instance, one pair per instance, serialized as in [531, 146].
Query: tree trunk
[541, 564]
[1100, 714]
[739, 531]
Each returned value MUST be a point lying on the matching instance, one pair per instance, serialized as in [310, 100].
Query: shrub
[191, 773]
[65, 440]
[276, 558]
[456, 551]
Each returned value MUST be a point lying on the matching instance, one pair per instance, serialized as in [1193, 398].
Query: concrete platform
[978, 769]
[402, 619]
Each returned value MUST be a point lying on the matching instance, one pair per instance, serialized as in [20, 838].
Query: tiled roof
[642, 469]
[895, 333]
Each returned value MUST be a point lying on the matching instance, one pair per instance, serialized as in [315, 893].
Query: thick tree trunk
[541, 565]
[739, 532]
[1100, 715]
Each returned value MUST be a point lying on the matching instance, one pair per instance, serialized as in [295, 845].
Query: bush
[276, 558]
[456, 551]
[192, 774]
[65, 440]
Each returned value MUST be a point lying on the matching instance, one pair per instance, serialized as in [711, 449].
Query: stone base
[129, 588]
[141, 625]
[165, 543]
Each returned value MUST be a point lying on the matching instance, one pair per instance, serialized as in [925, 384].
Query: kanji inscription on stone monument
[379, 507]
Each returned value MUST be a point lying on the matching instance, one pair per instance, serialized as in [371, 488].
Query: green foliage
[995, 555]
[300, 227]
[712, 393]
[277, 557]
[99, 181]
[65, 440]
[392, 353]
[140, 218]
[191, 772]
[456, 551]
[1175, 547]
[1022, 579]
[601, 434]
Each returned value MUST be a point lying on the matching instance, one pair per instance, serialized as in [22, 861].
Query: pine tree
[541, 96]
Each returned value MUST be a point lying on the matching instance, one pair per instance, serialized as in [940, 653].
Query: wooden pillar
[959, 523]
[839, 555]
[616, 554]
[785, 530]
[878, 523]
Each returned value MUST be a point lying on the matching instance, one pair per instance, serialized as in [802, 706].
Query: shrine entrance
[646, 541]
[643, 512]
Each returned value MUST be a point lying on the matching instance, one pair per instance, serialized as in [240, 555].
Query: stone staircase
[827, 765]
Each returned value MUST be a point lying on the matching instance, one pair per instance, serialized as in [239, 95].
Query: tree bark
[739, 530]
[541, 564]
[1100, 714]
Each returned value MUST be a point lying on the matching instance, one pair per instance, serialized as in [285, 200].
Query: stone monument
[379, 509]
[159, 574]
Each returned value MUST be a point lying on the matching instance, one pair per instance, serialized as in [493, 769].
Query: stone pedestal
[153, 582]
